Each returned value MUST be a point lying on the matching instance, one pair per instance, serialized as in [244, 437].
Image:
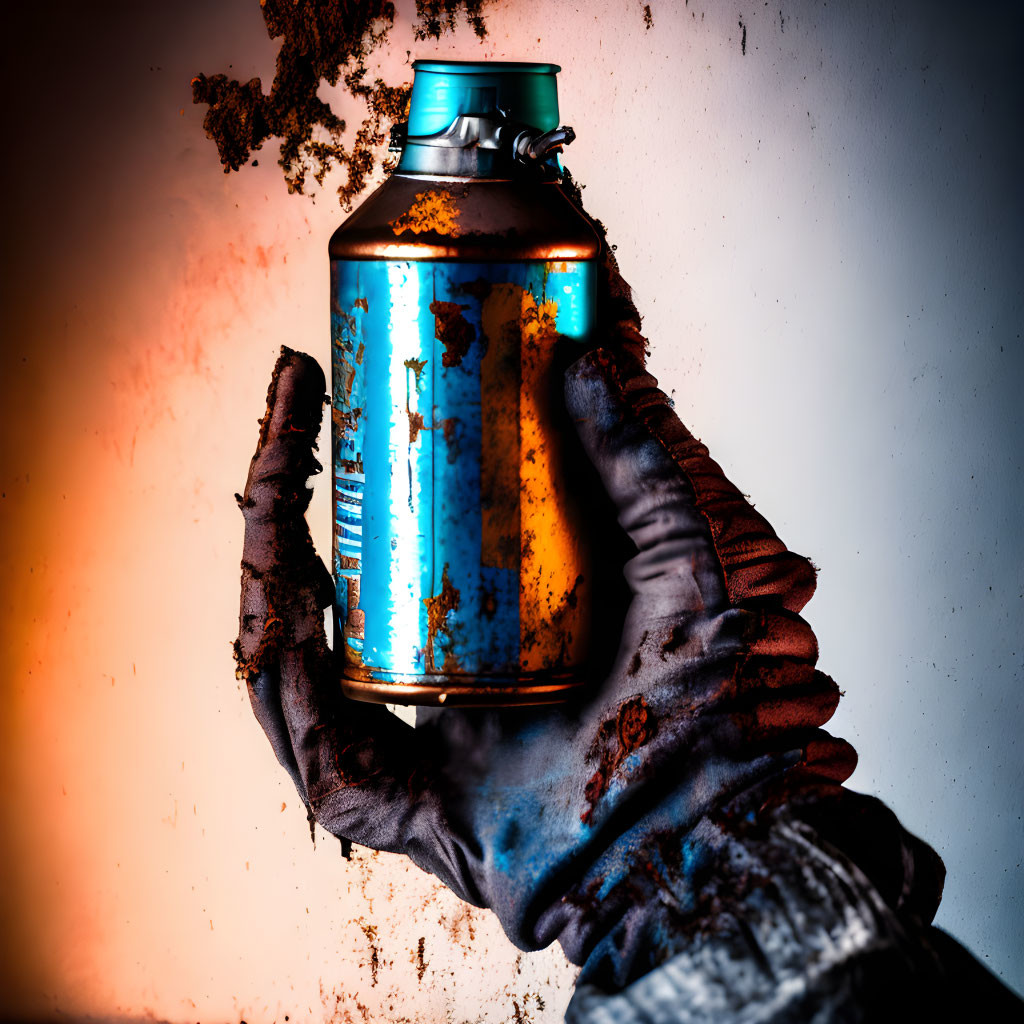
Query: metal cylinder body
[459, 558]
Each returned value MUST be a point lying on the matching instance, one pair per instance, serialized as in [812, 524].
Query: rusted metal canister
[459, 290]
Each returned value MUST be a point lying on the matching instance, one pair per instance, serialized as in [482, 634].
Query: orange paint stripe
[549, 612]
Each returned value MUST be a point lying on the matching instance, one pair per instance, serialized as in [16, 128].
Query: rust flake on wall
[370, 932]
[421, 962]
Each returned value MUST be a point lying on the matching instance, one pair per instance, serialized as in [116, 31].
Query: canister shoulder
[430, 218]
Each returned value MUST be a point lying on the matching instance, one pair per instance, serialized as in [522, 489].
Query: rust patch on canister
[416, 365]
[453, 330]
[438, 608]
[416, 421]
[430, 211]
[361, 304]
[347, 421]
[347, 380]
[526, 545]
[499, 426]
[348, 323]
[355, 621]
[416, 424]
[451, 438]
[479, 289]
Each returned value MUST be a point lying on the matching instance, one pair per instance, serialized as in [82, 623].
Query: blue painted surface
[443, 90]
[408, 444]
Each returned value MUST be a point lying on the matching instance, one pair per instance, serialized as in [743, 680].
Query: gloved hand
[677, 799]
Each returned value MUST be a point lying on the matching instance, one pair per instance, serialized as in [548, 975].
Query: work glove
[684, 813]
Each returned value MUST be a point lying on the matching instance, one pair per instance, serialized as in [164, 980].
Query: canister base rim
[461, 691]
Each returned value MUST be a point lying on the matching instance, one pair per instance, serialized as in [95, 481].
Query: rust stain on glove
[617, 738]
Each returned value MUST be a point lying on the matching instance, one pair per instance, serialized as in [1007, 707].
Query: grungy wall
[819, 207]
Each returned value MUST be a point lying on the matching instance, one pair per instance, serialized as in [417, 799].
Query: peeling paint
[416, 421]
[453, 330]
[346, 422]
[416, 365]
[416, 424]
[347, 323]
[438, 608]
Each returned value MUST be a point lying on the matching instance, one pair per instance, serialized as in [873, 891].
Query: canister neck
[484, 146]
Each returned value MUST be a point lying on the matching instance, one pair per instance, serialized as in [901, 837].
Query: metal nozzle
[534, 148]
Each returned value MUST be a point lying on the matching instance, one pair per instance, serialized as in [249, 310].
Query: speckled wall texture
[820, 209]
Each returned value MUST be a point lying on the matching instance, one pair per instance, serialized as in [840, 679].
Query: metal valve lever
[473, 142]
[530, 147]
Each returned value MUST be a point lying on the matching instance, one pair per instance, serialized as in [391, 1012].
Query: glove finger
[676, 567]
[265, 699]
[277, 550]
[665, 484]
[354, 764]
[368, 775]
[703, 556]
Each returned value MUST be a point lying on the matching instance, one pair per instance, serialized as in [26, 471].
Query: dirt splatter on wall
[325, 42]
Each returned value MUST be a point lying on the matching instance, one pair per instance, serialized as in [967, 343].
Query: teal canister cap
[443, 90]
